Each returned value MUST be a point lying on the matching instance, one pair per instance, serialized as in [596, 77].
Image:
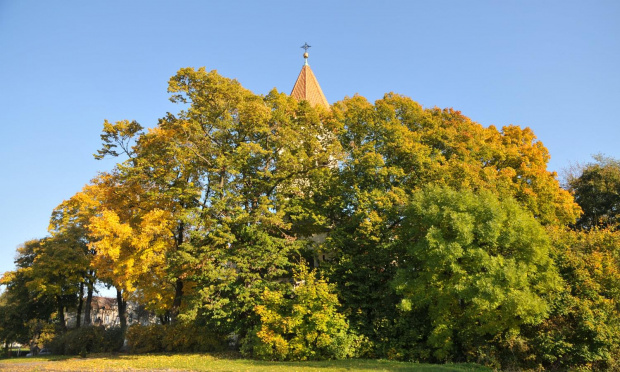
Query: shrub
[173, 338]
[113, 339]
[190, 338]
[145, 339]
[305, 326]
[88, 339]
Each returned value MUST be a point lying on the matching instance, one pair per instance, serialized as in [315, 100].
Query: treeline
[380, 230]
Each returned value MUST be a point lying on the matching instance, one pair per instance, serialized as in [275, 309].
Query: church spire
[307, 87]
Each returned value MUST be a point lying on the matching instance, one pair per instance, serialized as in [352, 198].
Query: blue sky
[65, 66]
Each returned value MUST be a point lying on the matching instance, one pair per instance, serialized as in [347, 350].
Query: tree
[393, 148]
[251, 158]
[125, 239]
[412, 146]
[597, 191]
[45, 282]
[476, 268]
[52, 270]
[17, 308]
[211, 211]
[68, 224]
[207, 200]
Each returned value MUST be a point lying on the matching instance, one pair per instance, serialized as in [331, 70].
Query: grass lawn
[211, 362]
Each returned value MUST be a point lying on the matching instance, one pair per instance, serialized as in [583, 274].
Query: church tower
[307, 87]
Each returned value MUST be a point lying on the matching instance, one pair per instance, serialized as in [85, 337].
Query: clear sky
[65, 66]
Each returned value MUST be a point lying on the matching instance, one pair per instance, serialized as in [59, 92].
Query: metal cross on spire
[305, 47]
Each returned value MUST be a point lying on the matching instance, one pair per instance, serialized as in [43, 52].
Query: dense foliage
[83, 340]
[476, 269]
[432, 237]
[183, 338]
[597, 190]
[584, 326]
[306, 325]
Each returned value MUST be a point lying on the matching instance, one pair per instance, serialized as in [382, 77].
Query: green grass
[213, 362]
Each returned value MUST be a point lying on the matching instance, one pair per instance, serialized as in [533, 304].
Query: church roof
[307, 87]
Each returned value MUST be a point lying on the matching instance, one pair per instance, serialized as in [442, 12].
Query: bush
[88, 339]
[306, 326]
[113, 339]
[189, 338]
[173, 338]
[145, 339]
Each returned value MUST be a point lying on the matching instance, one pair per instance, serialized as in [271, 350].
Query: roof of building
[307, 87]
[103, 302]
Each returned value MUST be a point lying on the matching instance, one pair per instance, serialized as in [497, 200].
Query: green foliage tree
[251, 157]
[15, 310]
[68, 225]
[20, 305]
[597, 191]
[302, 325]
[51, 269]
[476, 268]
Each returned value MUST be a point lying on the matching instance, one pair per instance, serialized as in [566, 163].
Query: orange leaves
[442, 146]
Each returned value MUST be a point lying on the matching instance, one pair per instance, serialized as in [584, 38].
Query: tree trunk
[176, 303]
[89, 303]
[178, 286]
[122, 307]
[61, 314]
[78, 316]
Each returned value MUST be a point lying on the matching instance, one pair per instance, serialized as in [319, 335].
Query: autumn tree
[393, 148]
[139, 222]
[209, 195]
[250, 158]
[122, 240]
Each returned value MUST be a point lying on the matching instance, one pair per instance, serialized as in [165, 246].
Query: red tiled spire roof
[307, 87]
